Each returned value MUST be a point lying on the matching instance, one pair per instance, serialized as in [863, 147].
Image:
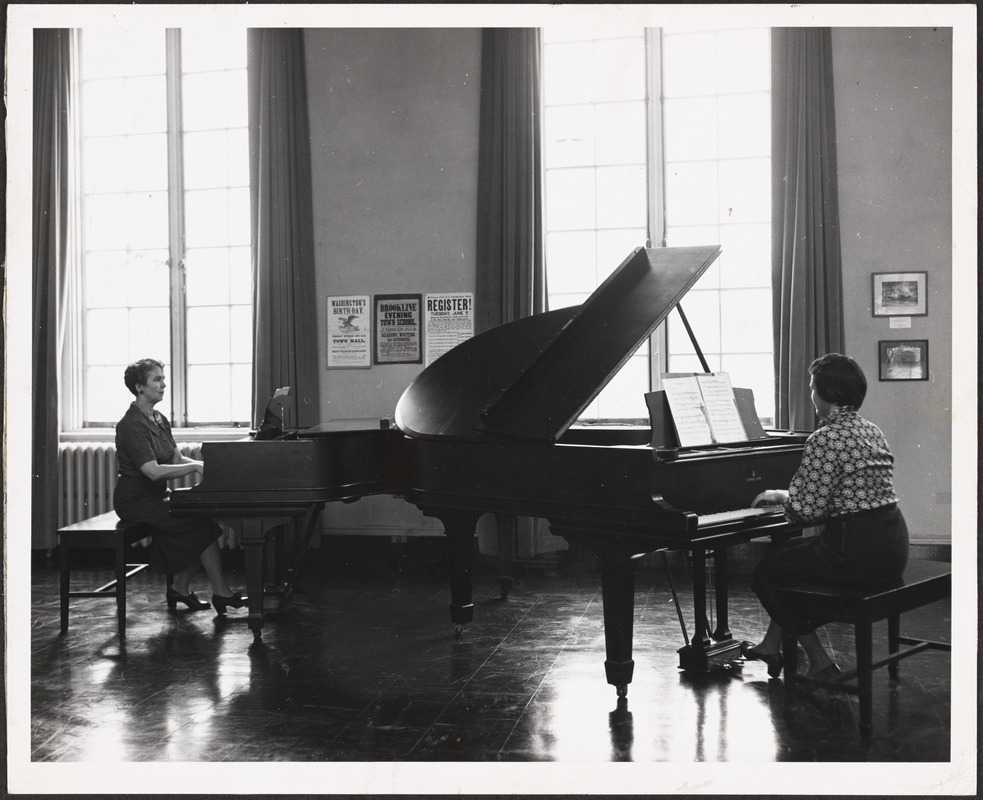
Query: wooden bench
[107, 532]
[923, 582]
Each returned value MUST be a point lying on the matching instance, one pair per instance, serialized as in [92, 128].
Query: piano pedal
[718, 656]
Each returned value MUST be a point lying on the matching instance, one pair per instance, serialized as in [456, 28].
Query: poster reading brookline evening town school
[397, 329]
[349, 331]
[449, 321]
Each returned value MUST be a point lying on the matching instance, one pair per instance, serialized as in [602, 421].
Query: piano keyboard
[735, 514]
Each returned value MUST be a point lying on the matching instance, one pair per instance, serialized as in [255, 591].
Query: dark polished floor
[365, 666]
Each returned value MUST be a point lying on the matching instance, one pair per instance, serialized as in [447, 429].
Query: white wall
[893, 96]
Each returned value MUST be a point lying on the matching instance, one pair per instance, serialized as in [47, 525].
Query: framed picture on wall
[903, 360]
[899, 294]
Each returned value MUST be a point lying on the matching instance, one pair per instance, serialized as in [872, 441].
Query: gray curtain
[285, 351]
[510, 281]
[806, 268]
[510, 272]
[53, 207]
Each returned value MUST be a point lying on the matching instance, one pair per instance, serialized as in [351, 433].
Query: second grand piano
[490, 427]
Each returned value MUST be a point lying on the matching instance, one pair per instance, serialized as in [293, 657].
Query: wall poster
[397, 329]
[349, 331]
[449, 321]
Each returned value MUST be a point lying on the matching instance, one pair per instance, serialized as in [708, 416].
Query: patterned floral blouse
[846, 467]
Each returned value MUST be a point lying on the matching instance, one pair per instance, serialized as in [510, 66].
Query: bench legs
[863, 634]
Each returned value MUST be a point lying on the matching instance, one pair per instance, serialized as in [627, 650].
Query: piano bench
[923, 582]
[106, 532]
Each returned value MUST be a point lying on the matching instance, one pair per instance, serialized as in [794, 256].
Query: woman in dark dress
[147, 458]
[846, 483]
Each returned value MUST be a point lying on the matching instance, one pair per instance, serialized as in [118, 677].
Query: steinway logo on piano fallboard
[753, 478]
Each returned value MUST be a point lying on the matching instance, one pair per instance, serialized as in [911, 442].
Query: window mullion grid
[176, 241]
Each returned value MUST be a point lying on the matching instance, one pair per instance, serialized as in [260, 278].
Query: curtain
[53, 232]
[285, 351]
[510, 274]
[806, 268]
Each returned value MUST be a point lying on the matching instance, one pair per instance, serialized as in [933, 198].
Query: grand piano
[491, 427]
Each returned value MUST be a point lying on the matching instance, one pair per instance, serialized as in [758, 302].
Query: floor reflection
[358, 672]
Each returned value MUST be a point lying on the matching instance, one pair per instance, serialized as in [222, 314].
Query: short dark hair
[138, 372]
[838, 379]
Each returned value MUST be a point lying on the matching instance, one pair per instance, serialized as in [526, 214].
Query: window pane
[744, 60]
[745, 191]
[242, 387]
[621, 133]
[691, 193]
[103, 214]
[691, 64]
[146, 220]
[239, 216]
[747, 331]
[238, 157]
[691, 128]
[570, 261]
[107, 397]
[207, 276]
[754, 372]
[208, 335]
[691, 363]
[206, 160]
[570, 199]
[569, 136]
[702, 309]
[624, 396]
[746, 258]
[209, 393]
[107, 53]
[206, 218]
[150, 334]
[241, 326]
[745, 126]
[621, 197]
[212, 48]
[569, 77]
[620, 69]
[148, 278]
[240, 275]
[105, 280]
[106, 333]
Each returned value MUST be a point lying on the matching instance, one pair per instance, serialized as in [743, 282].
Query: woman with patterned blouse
[845, 482]
[147, 457]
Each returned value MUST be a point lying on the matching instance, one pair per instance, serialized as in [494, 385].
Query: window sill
[180, 435]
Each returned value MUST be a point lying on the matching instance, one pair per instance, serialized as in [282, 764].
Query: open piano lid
[530, 379]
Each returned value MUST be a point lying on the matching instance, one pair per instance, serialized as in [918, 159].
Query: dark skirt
[177, 542]
[865, 549]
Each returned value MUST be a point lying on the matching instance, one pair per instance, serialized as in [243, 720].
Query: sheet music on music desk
[688, 412]
[721, 407]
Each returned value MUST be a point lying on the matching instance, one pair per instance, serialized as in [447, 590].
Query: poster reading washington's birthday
[449, 321]
[349, 332]
[397, 329]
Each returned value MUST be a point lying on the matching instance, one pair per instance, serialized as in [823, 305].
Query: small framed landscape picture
[900, 294]
[905, 360]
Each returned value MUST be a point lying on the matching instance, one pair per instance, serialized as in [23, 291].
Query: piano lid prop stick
[692, 338]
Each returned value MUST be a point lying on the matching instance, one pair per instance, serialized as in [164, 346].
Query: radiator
[87, 476]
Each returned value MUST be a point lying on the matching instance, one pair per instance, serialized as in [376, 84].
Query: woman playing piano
[147, 458]
[845, 481]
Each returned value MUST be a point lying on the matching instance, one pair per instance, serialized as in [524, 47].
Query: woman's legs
[211, 560]
[819, 659]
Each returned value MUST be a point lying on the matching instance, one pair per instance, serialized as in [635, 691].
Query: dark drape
[55, 109]
[510, 279]
[285, 351]
[806, 269]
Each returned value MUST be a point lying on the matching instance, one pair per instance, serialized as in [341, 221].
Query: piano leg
[618, 595]
[507, 525]
[701, 655]
[459, 527]
[253, 543]
[720, 577]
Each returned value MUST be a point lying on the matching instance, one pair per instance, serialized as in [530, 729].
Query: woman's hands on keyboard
[771, 497]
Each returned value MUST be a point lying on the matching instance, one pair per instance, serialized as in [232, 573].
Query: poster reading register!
[449, 321]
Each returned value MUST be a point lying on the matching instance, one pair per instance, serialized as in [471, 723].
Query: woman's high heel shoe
[190, 600]
[773, 661]
[234, 600]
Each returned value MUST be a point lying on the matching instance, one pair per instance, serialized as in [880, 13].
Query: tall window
[165, 240]
[665, 135]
